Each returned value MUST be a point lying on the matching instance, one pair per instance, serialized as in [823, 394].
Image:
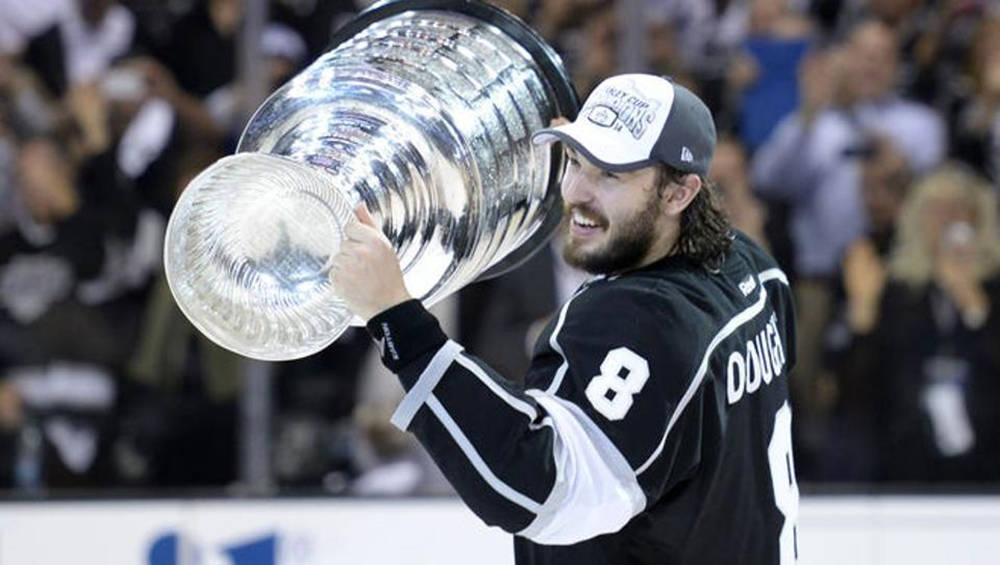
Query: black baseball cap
[633, 121]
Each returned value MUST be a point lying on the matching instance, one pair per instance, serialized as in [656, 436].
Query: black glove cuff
[405, 332]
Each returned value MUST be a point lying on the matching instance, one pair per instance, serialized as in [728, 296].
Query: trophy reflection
[423, 111]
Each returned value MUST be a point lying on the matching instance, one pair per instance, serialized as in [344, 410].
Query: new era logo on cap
[637, 120]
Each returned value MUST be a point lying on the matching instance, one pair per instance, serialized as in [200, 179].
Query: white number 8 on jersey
[623, 373]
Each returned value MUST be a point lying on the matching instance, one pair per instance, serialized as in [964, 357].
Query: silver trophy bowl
[421, 110]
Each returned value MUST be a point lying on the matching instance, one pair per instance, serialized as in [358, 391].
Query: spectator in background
[69, 266]
[11, 432]
[976, 129]
[317, 440]
[283, 51]
[663, 55]
[25, 111]
[763, 74]
[159, 86]
[732, 175]
[60, 353]
[126, 134]
[94, 34]
[597, 51]
[201, 52]
[926, 334]
[885, 180]
[67, 42]
[553, 19]
[182, 389]
[873, 99]
[27, 108]
[316, 22]
[909, 21]
[847, 96]
[197, 57]
[941, 36]
[850, 452]
[177, 375]
[806, 163]
[708, 35]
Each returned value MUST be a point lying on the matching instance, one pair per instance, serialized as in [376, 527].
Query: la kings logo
[761, 360]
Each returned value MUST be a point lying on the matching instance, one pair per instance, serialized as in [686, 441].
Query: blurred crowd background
[859, 142]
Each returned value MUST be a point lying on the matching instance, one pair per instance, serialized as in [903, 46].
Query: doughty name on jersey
[761, 361]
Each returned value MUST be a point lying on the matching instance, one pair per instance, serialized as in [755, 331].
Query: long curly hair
[705, 234]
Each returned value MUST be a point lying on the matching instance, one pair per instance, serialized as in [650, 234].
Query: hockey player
[653, 425]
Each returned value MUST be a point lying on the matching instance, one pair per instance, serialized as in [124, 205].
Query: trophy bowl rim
[173, 266]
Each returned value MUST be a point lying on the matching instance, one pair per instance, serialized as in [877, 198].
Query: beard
[625, 247]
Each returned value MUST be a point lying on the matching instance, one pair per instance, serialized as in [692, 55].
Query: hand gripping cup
[422, 110]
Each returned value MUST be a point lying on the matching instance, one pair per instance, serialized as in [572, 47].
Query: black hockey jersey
[653, 426]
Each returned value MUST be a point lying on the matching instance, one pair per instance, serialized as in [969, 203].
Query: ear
[680, 195]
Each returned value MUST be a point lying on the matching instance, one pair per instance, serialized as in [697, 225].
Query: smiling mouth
[581, 221]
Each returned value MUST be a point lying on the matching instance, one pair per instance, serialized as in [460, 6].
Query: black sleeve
[556, 466]
[482, 432]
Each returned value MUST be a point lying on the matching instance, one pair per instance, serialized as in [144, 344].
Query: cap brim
[583, 141]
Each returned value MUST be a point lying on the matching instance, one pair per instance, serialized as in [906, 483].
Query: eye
[610, 175]
[572, 161]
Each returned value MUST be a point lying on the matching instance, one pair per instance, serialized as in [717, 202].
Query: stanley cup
[421, 110]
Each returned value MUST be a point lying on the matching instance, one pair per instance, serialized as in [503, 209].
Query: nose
[576, 188]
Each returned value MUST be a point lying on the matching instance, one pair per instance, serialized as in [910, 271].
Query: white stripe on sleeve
[432, 374]
[596, 491]
[501, 488]
[511, 400]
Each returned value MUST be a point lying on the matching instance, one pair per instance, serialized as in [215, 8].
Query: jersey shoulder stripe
[728, 329]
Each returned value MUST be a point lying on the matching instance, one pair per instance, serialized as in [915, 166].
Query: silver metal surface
[426, 117]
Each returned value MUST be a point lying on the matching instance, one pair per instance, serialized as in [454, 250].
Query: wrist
[404, 332]
[389, 303]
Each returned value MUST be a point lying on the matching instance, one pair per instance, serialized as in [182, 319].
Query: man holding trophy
[653, 425]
